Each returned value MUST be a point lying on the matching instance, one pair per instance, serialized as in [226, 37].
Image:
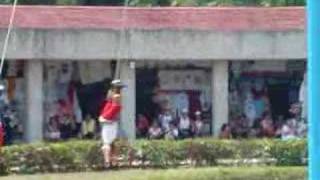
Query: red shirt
[111, 110]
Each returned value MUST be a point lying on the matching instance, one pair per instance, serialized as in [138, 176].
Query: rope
[121, 39]
[6, 42]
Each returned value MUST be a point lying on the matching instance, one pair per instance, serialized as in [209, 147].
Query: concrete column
[34, 104]
[220, 81]
[128, 114]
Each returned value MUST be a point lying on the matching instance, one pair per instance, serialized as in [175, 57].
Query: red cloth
[111, 110]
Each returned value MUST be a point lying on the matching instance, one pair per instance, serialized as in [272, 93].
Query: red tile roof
[214, 18]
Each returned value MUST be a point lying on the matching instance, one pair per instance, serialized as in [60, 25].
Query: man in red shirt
[109, 119]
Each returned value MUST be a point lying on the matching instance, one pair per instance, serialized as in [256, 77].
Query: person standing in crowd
[109, 119]
[198, 126]
[142, 126]
[155, 131]
[225, 132]
[185, 124]
[88, 127]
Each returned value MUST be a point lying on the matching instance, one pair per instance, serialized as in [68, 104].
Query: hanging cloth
[11, 88]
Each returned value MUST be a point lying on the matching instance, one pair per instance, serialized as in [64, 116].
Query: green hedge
[86, 155]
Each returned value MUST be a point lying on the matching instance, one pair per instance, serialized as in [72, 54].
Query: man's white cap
[118, 83]
[198, 113]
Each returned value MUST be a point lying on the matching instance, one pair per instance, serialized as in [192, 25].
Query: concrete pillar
[220, 82]
[128, 114]
[34, 107]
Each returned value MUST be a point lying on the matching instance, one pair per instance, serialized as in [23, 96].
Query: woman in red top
[109, 119]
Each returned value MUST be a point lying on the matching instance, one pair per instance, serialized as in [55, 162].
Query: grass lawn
[216, 173]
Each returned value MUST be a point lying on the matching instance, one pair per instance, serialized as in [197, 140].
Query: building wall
[156, 45]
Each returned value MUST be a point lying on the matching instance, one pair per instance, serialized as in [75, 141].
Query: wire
[7, 38]
[121, 38]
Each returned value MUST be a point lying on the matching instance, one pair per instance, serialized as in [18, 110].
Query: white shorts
[109, 132]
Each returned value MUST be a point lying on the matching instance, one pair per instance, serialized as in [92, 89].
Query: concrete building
[214, 37]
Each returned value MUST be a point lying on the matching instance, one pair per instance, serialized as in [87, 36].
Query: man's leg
[114, 153]
[106, 149]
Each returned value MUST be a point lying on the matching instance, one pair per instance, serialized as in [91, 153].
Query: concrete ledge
[155, 45]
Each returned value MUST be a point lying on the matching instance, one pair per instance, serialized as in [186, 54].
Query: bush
[289, 152]
[86, 155]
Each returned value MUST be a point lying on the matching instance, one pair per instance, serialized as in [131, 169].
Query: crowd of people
[65, 127]
[293, 127]
[11, 128]
[169, 126]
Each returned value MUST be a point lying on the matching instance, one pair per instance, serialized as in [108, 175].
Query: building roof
[157, 18]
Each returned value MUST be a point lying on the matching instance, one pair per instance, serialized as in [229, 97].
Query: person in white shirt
[288, 130]
[198, 126]
[172, 133]
[184, 124]
[165, 119]
[155, 132]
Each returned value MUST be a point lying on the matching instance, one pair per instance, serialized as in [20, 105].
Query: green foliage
[289, 152]
[86, 155]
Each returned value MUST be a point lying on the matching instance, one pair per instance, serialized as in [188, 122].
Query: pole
[6, 41]
[313, 11]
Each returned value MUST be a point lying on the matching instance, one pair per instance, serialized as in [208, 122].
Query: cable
[6, 42]
[121, 39]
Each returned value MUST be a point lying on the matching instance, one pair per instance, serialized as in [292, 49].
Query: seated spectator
[255, 130]
[165, 119]
[142, 126]
[278, 129]
[173, 132]
[225, 132]
[267, 126]
[240, 127]
[155, 131]
[66, 126]
[184, 124]
[88, 127]
[198, 125]
[288, 130]
[295, 109]
[52, 132]
[302, 129]
[9, 129]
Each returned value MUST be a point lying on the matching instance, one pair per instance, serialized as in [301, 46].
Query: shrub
[86, 155]
[289, 152]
